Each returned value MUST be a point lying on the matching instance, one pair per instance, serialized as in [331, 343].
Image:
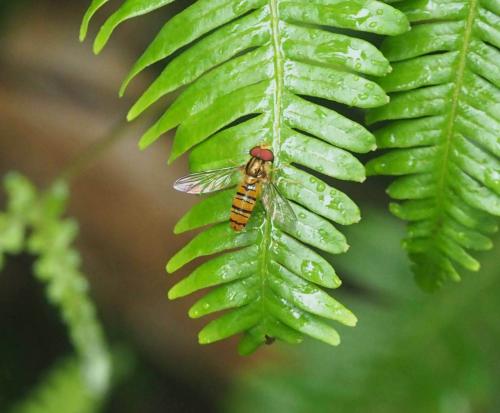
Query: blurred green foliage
[62, 389]
[410, 353]
[33, 222]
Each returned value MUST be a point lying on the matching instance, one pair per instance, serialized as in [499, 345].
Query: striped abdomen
[244, 202]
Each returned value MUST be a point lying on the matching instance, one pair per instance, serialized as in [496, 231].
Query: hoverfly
[255, 182]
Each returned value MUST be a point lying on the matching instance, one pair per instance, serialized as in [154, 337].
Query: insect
[254, 184]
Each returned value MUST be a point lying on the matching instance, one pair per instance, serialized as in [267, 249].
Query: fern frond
[443, 133]
[245, 68]
[61, 390]
[57, 265]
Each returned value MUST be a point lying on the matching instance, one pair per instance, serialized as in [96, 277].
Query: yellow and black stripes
[244, 202]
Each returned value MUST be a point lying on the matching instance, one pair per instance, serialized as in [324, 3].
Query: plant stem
[93, 151]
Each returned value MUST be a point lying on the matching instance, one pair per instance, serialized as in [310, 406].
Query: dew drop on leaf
[311, 269]
[320, 187]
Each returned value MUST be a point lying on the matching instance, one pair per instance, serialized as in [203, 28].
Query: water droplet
[311, 269]
[320, 187]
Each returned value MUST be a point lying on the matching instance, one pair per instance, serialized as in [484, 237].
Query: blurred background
[411, 352]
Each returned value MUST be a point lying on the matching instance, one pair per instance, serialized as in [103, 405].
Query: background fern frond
[245, 69]
[443, 133]
[57, 263]
[62, 389]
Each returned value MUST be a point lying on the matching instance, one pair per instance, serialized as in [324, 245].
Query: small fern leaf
[443, 133]
[245, 69]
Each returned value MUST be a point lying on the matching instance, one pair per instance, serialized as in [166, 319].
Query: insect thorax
[255, 168]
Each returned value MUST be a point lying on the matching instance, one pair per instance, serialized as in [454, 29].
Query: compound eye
[266, 155]
[255, 152]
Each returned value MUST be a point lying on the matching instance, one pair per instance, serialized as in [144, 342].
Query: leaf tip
[97, 48]
[142, 145]
[333, 339]
[178, 229]
[172, 294]
[123, 88]
[130, 115]
[171, 266]
[350, 319]
[84, 27]
[146, 141]
[395, 209]
[171, 159]
[204, 338]
[194, 312]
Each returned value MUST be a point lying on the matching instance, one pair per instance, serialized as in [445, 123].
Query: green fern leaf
[443, 133]
[245, 68]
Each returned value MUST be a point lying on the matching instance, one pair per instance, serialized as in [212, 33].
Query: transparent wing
[277, 206]
[206, 182]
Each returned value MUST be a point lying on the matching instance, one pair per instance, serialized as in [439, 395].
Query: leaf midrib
[278, 59]
[450, 129]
